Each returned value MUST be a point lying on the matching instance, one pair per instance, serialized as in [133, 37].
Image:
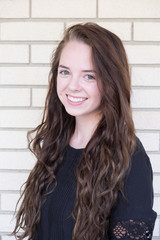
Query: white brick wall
[64, 9]
[32, 75]
[129, 9]
[29, 32]
[14, 53]
[146, 76]
[14, 9]
[32, 31]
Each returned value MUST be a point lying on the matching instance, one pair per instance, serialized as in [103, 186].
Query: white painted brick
[8, 237]
[129, 9]
[146, 119]
[14, 9]
[142, 33]
[145, 76]
[143, 54]
[7, 223]
[14, 97]
[155, 161]
[9, 201]
[13, 139]
[38, 97]
[150, 140]
[12, 181]
[156, 205]
[156, 185]
[14, 53]
[42, 53]
[20, 118]
[121, 29]
[64, 9]
[156, 231]
[145, 98]
[24, 75]
[17, 160]
[32, 30]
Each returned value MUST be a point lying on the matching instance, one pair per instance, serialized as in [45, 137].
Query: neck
[84, 130]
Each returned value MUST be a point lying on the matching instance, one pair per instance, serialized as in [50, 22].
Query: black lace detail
[131, 230]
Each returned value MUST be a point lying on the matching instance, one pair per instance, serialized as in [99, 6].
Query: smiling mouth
[76, 99]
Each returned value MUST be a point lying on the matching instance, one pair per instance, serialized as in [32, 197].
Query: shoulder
[138, 181]
[135, 210]
[138, 188]
[140, 165]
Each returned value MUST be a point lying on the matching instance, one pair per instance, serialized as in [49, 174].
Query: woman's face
[77, 86]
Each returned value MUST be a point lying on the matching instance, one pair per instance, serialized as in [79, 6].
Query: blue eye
[64, 72]
[89, 77]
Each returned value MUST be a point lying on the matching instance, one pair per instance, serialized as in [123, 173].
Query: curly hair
[105, 159]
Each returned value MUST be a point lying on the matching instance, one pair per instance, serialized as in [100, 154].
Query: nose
[74, 83]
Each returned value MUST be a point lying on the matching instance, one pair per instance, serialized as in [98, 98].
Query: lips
[76, 99]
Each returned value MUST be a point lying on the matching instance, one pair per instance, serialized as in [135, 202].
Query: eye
[89, 77]
[64, 72]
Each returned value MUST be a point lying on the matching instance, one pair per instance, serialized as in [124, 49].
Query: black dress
[131, 219]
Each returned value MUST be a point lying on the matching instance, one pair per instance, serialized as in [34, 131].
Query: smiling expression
[77, 86]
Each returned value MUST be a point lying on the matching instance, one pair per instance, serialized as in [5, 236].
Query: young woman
[93, 178]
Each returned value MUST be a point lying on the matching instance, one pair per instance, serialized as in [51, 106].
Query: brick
[7, 223]
[24, 75]
[142, 33]
[14, 53]
[12, 181]
[147, 119]
[150, 140]
[9, 201]
[121, 29]
[8, 237]
[63, 9]
[129, 9]
[143, 54]
[145, 76]
[156, 231]
[155, 161]
[13, 139]
[20, 118]
[156, 185]
[146, 98]
[14, 97]
[32, 31]
[42, 53]
[156, 205]
[14, 9]
[17, 160]
[38, 97]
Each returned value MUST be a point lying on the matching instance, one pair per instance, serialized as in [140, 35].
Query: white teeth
[76, 99]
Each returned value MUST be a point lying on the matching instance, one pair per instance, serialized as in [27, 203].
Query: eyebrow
[62, 66]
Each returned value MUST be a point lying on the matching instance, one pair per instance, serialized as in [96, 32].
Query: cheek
[96, 93]
[60, 85]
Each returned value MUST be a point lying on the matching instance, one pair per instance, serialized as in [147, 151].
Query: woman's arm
[133, 217]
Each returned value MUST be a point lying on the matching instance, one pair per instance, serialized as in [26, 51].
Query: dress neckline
[75, 149]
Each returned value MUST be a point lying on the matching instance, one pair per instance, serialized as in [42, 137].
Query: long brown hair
[106, 158]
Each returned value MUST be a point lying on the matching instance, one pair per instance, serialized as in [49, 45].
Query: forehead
[76, 52]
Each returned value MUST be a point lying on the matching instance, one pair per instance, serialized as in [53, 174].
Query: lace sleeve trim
[131, 229]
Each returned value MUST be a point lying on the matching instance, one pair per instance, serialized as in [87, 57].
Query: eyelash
[87, 76]
[64, 71]
[91, 77]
